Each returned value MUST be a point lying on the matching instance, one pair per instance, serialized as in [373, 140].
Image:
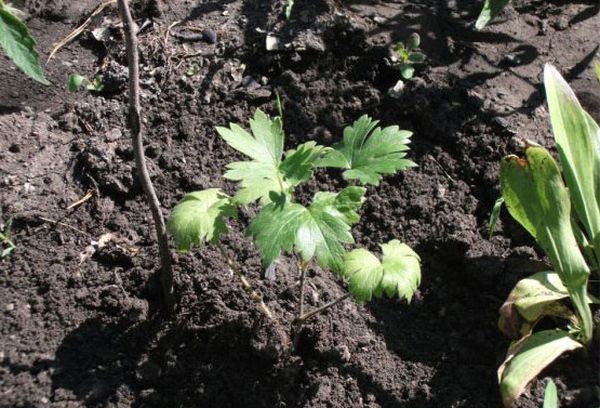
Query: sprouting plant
[562, 212]
[406, 56]
[491, 8]
[19, 45]
[287, 11]
[550, 395]
[76, 81]
[317, 230]
[8, 246]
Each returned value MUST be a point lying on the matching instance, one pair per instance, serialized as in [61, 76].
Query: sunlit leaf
[491, 8]
[199, 217]
[528, 358]
[19, 45]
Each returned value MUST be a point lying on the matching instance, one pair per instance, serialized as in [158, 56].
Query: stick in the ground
[302, 266]
[135, 124]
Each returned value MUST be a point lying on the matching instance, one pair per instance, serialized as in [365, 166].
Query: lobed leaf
[19, 45]
[398, 274]
[199, 217]
[267, 172]
[368, 152]
[320, 230]
[528, 358]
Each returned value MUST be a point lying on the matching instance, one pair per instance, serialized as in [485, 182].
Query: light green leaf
[528, 358]
[367, 153]
[398, 274]
[407, 71]
[266, 172]
[265, 147]
[199, 217]
[495, 215]
[297, 167]
[319, 230]
[550, 395]
[491, 8]
[75, 81]
[289, 5]
[19, 45]
[597, 71]
[578, 141]
[416, 57]
[538, 199]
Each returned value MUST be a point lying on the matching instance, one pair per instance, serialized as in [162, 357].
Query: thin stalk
[303, 267]
[254, 295]
[303, 318]
[135, 124]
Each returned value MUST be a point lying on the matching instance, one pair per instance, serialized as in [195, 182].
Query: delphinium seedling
[560, 209]
[319, 230]
[8, 245]
[406, 55]
[76, 82]
[18, 43]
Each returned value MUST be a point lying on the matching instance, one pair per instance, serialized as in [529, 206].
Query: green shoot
[491, 8]
[7, 243]
[495, 215]
[550, 395]
[19, 45]
[289, 5]
[321, 230]
[406, 56]
[552, 205]
[76, 81]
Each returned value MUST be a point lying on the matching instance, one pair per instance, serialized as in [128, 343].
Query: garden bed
[79, 325]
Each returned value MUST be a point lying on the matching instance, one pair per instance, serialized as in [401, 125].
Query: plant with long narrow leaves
[19, 45]
[320, 230]
[562, 212]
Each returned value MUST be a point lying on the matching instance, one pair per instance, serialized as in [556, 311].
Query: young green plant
[318, 230]
[76, 82]
[19, 45]
[8, 245]
[406, 56]
[561, 211]
[491, 8]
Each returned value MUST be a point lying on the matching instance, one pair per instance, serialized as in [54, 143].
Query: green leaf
[407, 71]
[416, 57]
[367, 153]
[414, 40]
[578, 141]
[297, 167]
[199, 217]
[75, 81]
[398, 274]
[319, 230]
[537, 198]
[597, 71]
[495, 215]
[19, 45]
[550, 395]
[528, 358]
[265, 147]
[491, 8]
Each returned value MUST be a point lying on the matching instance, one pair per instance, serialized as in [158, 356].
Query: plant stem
[302, 266]
[135, 124]
[303, 318]
[254, 295]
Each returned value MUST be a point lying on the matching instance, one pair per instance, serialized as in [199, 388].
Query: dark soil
[79, 325]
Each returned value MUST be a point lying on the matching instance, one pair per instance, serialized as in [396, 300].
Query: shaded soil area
[78, 319]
